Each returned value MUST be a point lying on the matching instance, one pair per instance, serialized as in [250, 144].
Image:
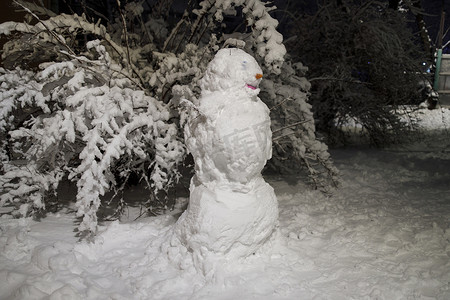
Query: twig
[290, 125]
[282, 136]
[81, 60]
[99, 14]
[338, 79]
[124, 24]
[279, 145]
[203, 32]
[38, 8]
[174, 31]
[45, 26]
[199, 19]
[281, 103]
[145, 28]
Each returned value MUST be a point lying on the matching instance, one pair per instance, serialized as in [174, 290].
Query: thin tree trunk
[424, 35]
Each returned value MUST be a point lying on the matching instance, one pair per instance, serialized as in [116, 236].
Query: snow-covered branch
[109, 100]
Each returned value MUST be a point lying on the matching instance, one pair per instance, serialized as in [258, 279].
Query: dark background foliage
[364, 61]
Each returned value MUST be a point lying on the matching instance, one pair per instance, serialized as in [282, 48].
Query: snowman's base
[221, 221]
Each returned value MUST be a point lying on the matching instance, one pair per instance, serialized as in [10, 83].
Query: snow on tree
[91, 125]
[98, 104]
[284, 89]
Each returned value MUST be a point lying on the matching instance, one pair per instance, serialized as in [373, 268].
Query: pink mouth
[251, 87]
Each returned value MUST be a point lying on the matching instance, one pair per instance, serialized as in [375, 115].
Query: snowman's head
[232, 68]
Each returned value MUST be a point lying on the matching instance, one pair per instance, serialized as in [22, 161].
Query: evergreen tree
[364, 61]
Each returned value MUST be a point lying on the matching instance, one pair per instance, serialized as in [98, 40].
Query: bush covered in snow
[81, 116]
[97, 104]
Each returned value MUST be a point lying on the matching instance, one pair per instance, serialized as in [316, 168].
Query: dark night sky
[432, 9]
[432, 16]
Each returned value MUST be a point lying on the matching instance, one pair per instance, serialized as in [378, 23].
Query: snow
[221, 224]
[385, 234]
[232, 211]
[230, 70]
[435, 119]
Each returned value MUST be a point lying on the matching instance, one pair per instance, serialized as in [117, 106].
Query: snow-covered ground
[385, 234]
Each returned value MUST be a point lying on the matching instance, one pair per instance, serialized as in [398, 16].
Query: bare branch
[53, 34]
[290, 125]
[125, 32]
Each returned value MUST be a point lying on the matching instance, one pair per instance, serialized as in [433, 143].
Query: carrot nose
[258, 76]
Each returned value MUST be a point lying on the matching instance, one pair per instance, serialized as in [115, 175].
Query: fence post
[439, 51]
[437, 70]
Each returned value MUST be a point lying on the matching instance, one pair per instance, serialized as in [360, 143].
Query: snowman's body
[232, 210]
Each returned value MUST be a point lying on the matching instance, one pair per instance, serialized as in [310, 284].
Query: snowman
[232, 211]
